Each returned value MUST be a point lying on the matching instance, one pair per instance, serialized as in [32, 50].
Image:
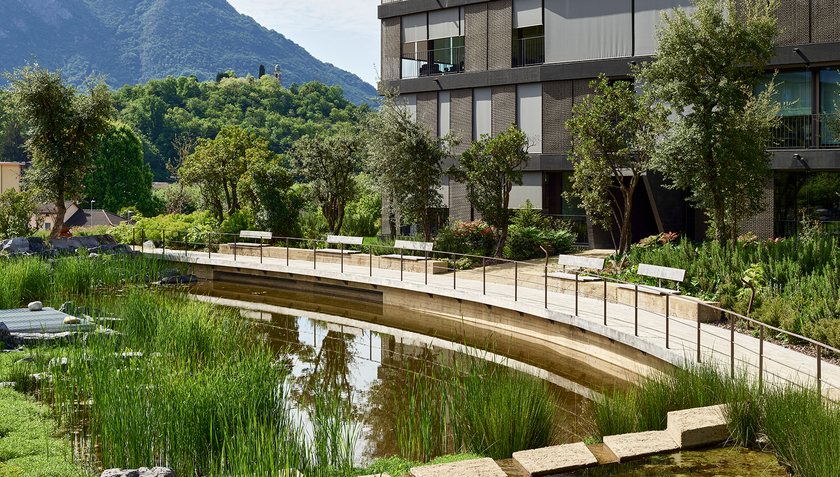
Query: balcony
[528, 51]
[433, 62]
[807, 131]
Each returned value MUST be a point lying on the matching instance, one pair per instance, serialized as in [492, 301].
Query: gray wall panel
[504, 108]
[558, 97]
[825, 20]
[461, 114]
[427, 111]
[793, 22]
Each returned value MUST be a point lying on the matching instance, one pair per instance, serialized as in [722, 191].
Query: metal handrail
[518, 282]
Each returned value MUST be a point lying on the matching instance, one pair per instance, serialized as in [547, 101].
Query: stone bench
[661, 273]
[578, 264]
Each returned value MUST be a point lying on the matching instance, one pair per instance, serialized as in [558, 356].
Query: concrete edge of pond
[686, 429]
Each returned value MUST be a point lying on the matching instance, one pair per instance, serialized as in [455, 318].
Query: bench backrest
[662, 273]
[255, 234]
[580, 262]
[346, 240]
[412, 245]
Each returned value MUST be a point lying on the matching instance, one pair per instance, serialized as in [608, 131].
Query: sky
[345, 33]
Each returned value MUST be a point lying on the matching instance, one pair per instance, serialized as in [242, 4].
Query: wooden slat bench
[579, 264]
[253, 234]
[660, 273]
[342, 240]
[411, 245]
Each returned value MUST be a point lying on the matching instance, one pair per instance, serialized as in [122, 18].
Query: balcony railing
[433, 62]
[806, 131]
[528, 51]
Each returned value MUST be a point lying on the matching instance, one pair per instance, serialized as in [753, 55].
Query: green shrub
[525, 243]
[469, 238]
[238, 221]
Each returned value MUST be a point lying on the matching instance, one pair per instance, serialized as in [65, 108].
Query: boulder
[179, 280]
[72, 320]
[15, 245]
[141, 472]
[6, 336]
[36, 244]
[35, 306]
[148, 244]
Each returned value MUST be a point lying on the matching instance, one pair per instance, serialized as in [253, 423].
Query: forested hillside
[162, 110]
[133, 41]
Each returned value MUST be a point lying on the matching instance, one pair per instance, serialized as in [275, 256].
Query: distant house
[76, 216]
[10, 176]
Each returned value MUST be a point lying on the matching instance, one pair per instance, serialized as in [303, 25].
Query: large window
[814, 195]
[433, 43]
[829, 106]
[528, 33]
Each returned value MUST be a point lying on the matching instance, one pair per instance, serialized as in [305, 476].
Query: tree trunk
[720, 225]
[60, 210]
[626, 231]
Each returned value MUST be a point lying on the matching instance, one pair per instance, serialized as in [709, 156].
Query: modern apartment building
[477, 66]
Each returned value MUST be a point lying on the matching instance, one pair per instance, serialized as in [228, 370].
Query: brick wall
[557, 109]
[503, 108]
[427, 111]
[794, 22]
[460, 111]
[761, 224]
[825, 20]
[390, 49]
[499, 25]
[475, 42]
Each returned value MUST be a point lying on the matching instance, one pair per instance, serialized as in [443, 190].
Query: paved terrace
[495, 287]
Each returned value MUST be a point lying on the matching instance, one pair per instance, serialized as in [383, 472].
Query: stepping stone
[640, 444]
[701, 426]
[555, 459]
[383, 474]
[466, 468]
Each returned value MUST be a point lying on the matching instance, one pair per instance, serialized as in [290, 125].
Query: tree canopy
[118, 177]
[405, 160]
[490, 168]
[64, 129]
[706, 68]
[328, 165]
[614, 137]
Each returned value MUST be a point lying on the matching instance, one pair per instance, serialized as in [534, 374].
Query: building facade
[475, 67]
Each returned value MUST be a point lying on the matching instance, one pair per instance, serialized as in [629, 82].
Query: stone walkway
[495, 286]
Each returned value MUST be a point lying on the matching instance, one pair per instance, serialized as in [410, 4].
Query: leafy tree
[614, 135]
[328, 164]
[218, 165]
[16, 212]
[706, 68]
[272, 197]
[405, 160]
[261, 72]
[119, 178]
[64, 129]
[490, 167]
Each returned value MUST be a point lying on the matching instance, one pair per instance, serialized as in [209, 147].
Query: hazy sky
[342, 32]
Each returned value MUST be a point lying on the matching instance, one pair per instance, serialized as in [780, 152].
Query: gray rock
[36, 244]
[15, 245]
[120, 473]
[6, 336]
[35, 306]
[28, 359]
[141, 472]
[7, 384]
[148, 244]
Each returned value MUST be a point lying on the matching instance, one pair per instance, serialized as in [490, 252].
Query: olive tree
[705, 69]
[614, 135]
[65, 124]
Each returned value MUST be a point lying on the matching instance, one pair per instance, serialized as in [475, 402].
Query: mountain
[132, 41]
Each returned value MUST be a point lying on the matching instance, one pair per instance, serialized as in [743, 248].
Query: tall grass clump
[23, 280]
[469, 404]
[803, 429]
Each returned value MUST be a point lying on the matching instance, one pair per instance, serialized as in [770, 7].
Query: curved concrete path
[779, 364]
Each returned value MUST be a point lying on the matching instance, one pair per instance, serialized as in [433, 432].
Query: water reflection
[370, 361]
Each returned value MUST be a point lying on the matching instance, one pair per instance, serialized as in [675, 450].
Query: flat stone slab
[555, 459]
[640, 444]
[696, 427]
[383, 474]
[467, 468]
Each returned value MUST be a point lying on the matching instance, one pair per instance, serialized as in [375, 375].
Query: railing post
[577, 282]
[261, 247]
[546, 285]
[370, 259]
[605, 302]
[732, 345]
[315, 255]
[209, 239]
[234, 246]
[698, 339]
[667, 321]
[133, 241]
[164, 244]
[819, 370]
[401, 265]
[636, 322]
[483, 275]
[515, 280]
[453, 271]
[287, 251]
[341, 250]
[760, 356]
[426, 267]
